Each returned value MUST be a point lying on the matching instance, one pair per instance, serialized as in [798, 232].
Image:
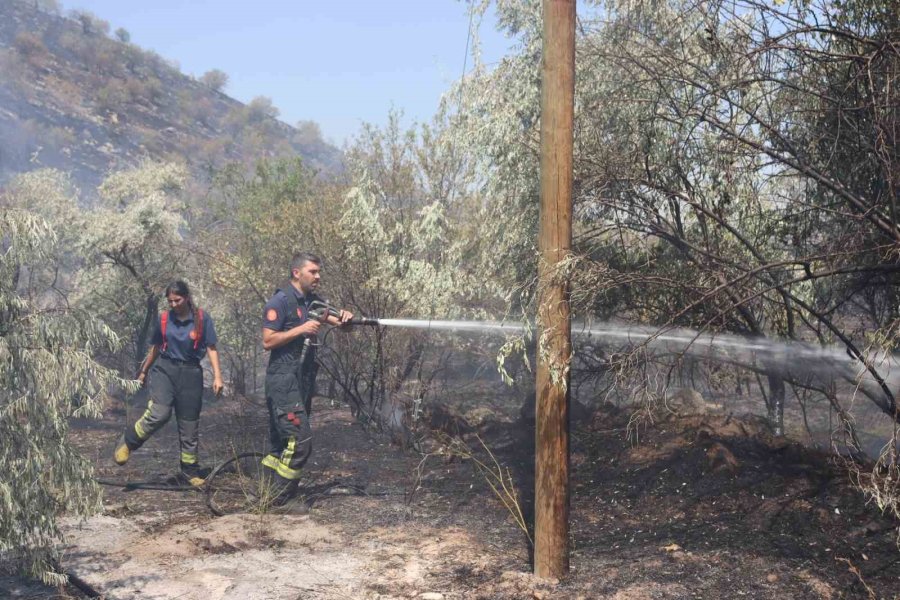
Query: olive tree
[409, 239]
[47, 375]
[735, 170]
[255, 222]
[133, 244]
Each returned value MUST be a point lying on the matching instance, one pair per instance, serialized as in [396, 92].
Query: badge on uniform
[193, 334]
[272, 315]
[299, 312]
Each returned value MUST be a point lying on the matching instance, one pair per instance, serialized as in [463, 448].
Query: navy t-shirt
[285, 310]
[180, 337]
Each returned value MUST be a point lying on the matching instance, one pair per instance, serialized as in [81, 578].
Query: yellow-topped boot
[195, 474]
[123, 452]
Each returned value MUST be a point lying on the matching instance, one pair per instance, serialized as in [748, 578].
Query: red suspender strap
[198, 327]
[163, 321]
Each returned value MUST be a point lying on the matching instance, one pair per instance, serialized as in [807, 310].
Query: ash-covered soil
[705, 506]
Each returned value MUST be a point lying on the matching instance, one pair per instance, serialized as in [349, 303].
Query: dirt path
[164, 544]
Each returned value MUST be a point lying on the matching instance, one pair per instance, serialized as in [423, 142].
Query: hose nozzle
[364, 321]
[321, 311]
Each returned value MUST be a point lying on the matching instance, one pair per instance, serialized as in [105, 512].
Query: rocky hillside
[76, 99]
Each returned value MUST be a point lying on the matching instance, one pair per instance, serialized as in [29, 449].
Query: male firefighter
[289, 333]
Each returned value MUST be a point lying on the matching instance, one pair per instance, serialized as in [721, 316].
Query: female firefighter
[183, 336]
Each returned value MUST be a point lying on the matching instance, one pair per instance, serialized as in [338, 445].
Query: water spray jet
[789, 356]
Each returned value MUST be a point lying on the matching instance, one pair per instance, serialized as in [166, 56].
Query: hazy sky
[338, 62]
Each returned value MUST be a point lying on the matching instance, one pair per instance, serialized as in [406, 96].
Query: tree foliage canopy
[47, 375]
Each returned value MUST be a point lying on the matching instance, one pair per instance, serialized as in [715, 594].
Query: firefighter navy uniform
[290, 382]
[176, 381]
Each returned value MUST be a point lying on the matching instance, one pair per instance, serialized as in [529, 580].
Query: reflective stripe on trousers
[177, 386]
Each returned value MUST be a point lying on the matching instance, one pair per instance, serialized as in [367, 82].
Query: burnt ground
[706, 506]
[713, 506]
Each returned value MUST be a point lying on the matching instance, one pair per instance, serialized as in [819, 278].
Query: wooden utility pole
[551, 493]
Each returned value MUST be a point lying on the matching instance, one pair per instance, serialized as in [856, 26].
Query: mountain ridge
[74, 99]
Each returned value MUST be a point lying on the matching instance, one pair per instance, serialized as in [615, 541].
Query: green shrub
[113, 96]
[261, 108]
[30, 46]
[91, 24]
[215, 79]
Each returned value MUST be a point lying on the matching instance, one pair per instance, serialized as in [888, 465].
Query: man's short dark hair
[301, 258]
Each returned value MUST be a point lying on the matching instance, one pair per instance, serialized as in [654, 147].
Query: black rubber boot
[195, 474]
[283, 490]
[294, 506]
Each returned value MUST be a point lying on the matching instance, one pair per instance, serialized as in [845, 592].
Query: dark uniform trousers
[287, 398]
[178, 385]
